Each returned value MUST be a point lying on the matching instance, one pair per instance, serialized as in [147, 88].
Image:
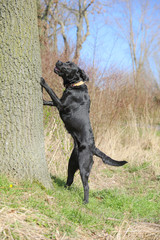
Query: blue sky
[103, 46]
[106, 46]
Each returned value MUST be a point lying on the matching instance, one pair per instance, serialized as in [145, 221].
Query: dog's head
[70, 73]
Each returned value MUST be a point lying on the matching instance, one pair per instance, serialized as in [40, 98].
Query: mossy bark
[22, 152]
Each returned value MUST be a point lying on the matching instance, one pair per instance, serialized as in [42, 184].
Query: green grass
[65, 211]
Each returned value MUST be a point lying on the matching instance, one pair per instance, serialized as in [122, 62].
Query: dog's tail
[106, 159]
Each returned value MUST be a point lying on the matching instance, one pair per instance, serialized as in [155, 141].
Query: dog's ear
[83, 75]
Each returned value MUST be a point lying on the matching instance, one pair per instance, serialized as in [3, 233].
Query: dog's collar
[74, 84]
[77, 84]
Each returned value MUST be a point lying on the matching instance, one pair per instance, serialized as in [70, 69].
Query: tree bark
[22, 154]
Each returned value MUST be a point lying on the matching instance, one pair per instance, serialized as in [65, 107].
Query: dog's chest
[73, 101]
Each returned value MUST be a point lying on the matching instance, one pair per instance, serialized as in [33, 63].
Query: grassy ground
[130, 210]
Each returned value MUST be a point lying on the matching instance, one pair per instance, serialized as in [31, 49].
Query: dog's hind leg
[84, 176]
[72, 166]
[85, 165]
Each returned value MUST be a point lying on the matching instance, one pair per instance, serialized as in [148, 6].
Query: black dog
[74, 107]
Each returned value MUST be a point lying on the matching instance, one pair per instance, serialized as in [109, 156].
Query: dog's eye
[69, 64]
[63, 69]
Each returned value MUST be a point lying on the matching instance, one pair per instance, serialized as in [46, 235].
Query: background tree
[134, 22]
[22, 154]
[60, 16]
[52, 23]
[80, 13]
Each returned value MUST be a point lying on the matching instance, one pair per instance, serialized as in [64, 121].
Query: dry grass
[24, 224]
[14, 224]
[29, 224]
[58, 145]
[135, 231]
[136, 141]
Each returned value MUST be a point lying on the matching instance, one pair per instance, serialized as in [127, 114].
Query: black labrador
[74, 108]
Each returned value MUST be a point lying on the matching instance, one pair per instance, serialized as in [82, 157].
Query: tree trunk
[22, 154]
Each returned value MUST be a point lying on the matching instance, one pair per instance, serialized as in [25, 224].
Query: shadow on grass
[96, 194]
[58, 181]
[73, 188]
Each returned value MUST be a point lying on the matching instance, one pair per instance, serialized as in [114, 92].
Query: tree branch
[89, 4]
[45, 15]
[63, 35]
[69, 9]
[87, 26]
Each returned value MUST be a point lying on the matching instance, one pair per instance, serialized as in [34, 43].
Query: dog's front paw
[42, 82]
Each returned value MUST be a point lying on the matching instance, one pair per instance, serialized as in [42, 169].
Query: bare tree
[54, 20]
[61, 16]
[82, 23]
[137, 23]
